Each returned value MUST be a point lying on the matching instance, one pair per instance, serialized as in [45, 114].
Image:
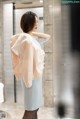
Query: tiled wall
[48, 76]
[52, 26]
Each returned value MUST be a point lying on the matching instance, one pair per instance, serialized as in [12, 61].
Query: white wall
[8, 31]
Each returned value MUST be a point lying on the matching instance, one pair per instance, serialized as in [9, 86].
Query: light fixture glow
[41, 1]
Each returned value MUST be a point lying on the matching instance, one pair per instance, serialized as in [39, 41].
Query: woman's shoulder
[22, 35]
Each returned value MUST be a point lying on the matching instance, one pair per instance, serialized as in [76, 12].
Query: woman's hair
[28, 21]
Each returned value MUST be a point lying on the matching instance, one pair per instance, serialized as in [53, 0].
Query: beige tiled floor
[16, 111]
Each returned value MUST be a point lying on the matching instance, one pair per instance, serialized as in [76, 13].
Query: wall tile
[48, 93]
[48, 17]
[48, 67]
[49, 44]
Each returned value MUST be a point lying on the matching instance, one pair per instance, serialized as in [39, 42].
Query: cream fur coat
[27, 58]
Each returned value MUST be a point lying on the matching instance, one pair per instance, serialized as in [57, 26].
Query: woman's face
[35, 29]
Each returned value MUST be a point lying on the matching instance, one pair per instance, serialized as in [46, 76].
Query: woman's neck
[30, 33]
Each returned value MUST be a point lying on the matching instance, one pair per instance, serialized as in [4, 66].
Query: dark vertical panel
[75, 27]
[13, 34]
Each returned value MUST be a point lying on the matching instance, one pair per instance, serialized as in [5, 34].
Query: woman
[33, 97]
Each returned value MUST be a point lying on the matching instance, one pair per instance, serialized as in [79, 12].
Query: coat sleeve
[15, 49]
[28, 64]
[15, 58]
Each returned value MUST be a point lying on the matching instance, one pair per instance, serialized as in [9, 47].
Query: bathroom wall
[52, 26]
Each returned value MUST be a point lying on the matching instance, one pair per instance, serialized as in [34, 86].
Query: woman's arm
[42, 35]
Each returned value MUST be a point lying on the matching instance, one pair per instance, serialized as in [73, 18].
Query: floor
[16, 111]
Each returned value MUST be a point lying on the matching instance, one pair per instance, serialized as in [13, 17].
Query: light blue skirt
[33, 96]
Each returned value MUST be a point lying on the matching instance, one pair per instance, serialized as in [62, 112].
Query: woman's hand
[41, 35]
